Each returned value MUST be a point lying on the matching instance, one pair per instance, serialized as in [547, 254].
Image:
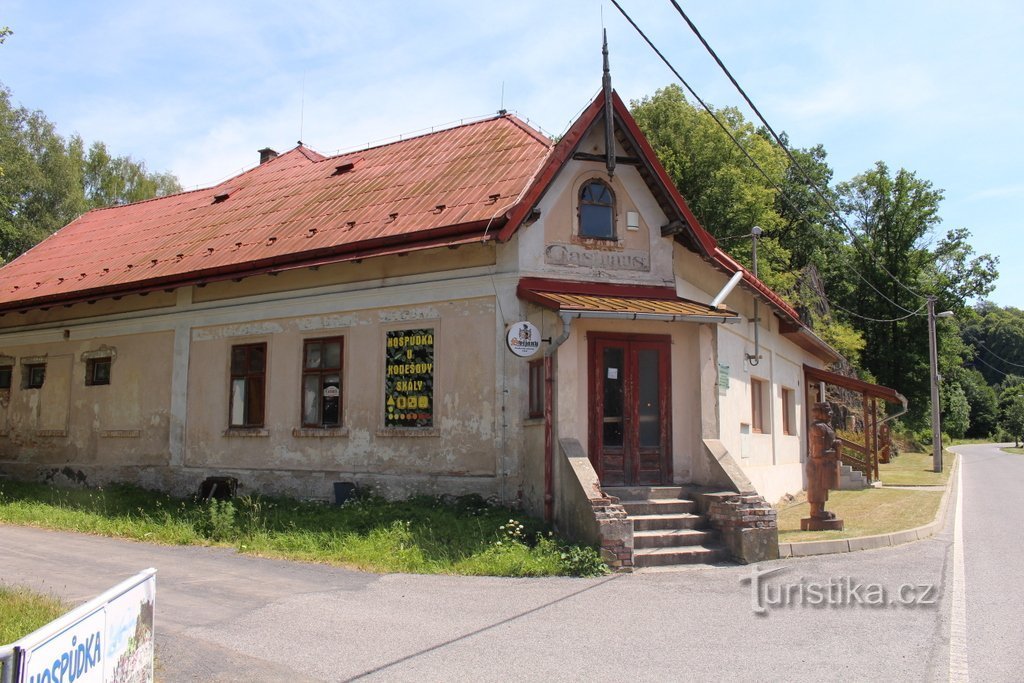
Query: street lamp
[933, 353]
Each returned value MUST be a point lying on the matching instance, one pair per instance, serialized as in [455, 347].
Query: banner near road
[110, 638]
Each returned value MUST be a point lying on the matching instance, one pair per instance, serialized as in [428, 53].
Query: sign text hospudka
[409, 379]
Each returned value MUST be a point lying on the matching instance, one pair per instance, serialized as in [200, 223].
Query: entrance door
[630, 409]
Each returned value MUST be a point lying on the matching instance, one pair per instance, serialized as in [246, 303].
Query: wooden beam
[585, 156]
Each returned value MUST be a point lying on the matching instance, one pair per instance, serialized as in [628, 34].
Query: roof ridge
[486, 119]
[529, 129]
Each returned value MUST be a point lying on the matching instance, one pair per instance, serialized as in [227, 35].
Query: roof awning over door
[631, 302]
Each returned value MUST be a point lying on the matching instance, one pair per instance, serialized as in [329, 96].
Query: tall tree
[724, 190]
[895, 216]
[47, 181]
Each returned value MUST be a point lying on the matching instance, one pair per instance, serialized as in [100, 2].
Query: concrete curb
[849, 545]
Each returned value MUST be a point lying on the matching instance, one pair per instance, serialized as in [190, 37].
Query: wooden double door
[630, 409]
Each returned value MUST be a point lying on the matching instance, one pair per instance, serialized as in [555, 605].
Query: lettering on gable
[576, 256]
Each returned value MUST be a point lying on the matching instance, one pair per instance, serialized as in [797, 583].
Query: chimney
[267, 154]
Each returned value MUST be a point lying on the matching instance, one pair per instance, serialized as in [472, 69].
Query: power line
[736, 142]
[876, 319]
[814, 186]
[1001, 372]
[981, 343]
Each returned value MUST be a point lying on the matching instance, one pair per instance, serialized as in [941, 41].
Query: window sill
[245, 432]
[121, 434]
[532, 421]
[413, 432]
[51, 432]
[589, 240]
[319, 432]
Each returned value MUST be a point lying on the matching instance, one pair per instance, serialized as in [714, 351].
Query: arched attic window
[597, 210]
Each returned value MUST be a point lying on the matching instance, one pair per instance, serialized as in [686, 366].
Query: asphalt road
[223, 616]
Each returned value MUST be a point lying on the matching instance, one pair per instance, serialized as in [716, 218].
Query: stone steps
[667, 527]
[672, 538]
[851, 479]
[661, 557]
[674, 506]
[667, 521]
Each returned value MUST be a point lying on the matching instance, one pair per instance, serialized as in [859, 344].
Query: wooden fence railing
[859, 458]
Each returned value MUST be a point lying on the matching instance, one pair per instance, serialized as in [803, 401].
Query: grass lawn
[1016, 451]
[420, 535]
[865, 513]
[915, 469]
[877, 511]
[22, 612]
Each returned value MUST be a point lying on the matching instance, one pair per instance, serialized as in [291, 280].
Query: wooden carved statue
[822, 470]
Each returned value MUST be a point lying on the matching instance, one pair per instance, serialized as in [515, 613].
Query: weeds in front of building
[463, 535]
[23, 611]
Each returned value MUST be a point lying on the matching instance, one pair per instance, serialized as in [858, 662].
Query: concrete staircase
[667, 528]
[851, 479]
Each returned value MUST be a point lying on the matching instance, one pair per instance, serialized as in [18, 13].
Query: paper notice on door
[613, 373]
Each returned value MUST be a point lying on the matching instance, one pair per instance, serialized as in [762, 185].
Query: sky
[197, 87]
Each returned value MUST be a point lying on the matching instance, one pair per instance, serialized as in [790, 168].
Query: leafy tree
[997, 335]
[110, 180]
[47, 181]
[726, 193]
[40, 189]
[1012, 418]
[956, 413]
[983, 402]
[895, 215]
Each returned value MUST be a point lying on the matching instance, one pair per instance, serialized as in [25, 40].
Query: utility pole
[934, 358]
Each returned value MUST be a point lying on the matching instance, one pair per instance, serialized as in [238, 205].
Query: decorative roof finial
[609, 110]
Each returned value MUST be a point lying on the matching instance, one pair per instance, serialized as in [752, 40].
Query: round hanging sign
[523, 339]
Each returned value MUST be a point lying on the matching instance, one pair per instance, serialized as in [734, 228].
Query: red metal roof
[298, 207]
[302, 208]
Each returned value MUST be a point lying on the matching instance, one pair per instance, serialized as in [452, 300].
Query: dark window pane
[5, 377]
[596, 221]
[254, 403]
[238, 354]
[257, 358]
[650, 410]
[100, 371]
[613, 375]
[313, 355]
[332, 355]
[36, 376]
[332, 399]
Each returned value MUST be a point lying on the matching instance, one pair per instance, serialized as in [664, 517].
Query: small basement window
[6, 372]
[97, 371]
[35, 374]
